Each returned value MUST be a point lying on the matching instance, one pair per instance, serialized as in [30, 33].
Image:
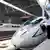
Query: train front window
[29, 21]
[36, 21]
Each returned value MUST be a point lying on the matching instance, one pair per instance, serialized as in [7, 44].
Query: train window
[30, 20]
[37, 21]
[15, 26]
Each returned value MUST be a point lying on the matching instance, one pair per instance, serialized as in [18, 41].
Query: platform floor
[44, 45]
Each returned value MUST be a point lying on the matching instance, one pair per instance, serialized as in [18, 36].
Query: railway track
[6, 35]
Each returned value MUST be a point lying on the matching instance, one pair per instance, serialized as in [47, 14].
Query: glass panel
[37, 21]
[30, 20]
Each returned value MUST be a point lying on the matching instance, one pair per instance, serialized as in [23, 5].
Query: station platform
[44, 45]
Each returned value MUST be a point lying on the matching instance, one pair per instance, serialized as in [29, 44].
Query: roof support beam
[12, 6]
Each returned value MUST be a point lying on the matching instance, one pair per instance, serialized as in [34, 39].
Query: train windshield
[33, 21]
[30, 21]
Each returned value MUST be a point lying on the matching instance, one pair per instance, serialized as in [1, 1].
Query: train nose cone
[17, 41]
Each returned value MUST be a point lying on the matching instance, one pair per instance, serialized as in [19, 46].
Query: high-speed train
[30, 35]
